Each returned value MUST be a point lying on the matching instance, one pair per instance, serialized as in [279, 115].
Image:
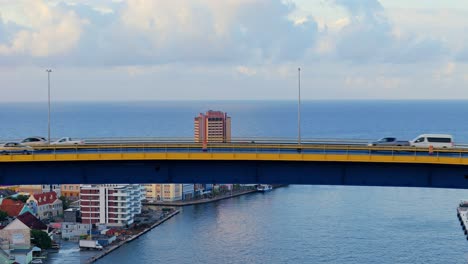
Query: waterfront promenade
[131, 238]
[202, 201]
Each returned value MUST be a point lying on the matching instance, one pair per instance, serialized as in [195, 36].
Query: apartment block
[111, 204]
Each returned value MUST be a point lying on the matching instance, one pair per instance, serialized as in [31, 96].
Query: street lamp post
[48, 96]
[299, 108]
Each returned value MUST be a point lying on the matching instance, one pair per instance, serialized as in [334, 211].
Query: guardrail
[118, 140]
[242, 147]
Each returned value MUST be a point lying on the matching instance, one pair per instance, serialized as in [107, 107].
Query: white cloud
[48, 31]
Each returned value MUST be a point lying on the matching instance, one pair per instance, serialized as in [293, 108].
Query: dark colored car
[389, 141]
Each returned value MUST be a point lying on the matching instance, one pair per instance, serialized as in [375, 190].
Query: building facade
[164, 192]
[71, 191]
[213, 126]
[45, 205]
[188, 191]
[111, 204]
[52, 188]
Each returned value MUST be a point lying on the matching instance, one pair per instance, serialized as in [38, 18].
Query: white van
[434, 140]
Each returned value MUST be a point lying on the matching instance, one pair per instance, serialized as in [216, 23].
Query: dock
[462, 214]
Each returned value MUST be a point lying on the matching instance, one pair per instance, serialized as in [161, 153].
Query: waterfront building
[71, 191]
[45, 205]
[188, 191]
[74, 230]
[111, 204]
[164, 192]
[52, 188]
[213, 126]
[201, 189]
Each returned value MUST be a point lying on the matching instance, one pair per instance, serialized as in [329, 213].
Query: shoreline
[201, 201]
[105, 252]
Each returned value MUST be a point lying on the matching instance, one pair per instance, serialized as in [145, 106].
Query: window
[421, 139]
[439, 139]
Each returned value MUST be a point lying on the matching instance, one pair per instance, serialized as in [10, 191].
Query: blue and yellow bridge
[275, 162]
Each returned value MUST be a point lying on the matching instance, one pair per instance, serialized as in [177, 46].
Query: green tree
[65, 202]
[3, 215]
[41, 239]
[22, 198]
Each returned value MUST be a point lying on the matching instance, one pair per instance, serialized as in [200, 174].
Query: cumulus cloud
[218, 31]
[47, 31]
[371, 37]
[147, 32]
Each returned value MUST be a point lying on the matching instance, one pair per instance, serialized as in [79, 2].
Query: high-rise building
[213, 126]
[111, 204]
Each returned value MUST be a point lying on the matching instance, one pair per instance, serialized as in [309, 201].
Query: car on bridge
[433, 140]
[67, 141]
[389, 141]
[34, 141]
[15, 148]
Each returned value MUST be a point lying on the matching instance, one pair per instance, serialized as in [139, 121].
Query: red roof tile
[31, 221]
[45, 198]
[12, 208]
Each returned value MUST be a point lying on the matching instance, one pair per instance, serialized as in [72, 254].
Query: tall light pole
[48, 96]
[299, 107]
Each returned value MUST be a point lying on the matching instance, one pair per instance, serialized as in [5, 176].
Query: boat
[264, 187]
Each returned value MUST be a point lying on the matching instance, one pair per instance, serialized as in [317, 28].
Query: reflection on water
[310, 224]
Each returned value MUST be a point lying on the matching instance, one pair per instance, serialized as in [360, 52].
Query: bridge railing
[247, 147]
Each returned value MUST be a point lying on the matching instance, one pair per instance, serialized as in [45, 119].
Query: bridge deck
[247, 152]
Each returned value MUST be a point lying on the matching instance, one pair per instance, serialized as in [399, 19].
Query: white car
[434, 140]
[67, 141]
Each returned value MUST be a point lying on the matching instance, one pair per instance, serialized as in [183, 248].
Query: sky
[130, 50]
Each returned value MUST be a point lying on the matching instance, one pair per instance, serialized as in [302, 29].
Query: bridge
[242, 161]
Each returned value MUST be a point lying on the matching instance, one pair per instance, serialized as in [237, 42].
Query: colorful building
[213, 126]
[45, 205]
[71, 191]
[14, 208]
[164, 192]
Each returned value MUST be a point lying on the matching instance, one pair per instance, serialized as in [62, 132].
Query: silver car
[34, 141]
[15, 148]
[389, 141]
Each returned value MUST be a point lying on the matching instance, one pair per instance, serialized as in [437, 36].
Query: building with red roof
[45, 205]
[32, 222]
[13, 208]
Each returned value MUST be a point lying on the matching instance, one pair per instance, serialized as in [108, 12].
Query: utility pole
[299, 108]
[48, 123]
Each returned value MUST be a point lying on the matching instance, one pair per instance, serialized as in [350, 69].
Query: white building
[111, 204]
[74, 230]
[52, 188]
